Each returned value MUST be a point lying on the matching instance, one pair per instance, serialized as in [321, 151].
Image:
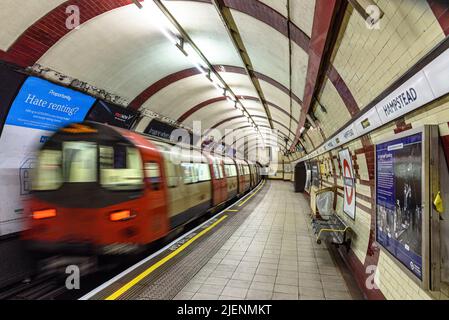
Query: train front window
[79, 161]
[120, 168]
[48, 174]
[75, 163]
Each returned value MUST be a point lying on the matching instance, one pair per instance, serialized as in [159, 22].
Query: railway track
[50, 284]
[43, 288]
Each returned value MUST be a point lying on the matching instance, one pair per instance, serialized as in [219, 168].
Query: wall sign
[408, 97]
[348, 182]
[399, 165]
[425, 86]
[39, 109]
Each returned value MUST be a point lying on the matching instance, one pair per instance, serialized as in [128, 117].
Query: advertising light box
[43, 105]
[315, 171]
[399, 199]
[38, 110]
[113, 115]
[166, 131]
[10, 82]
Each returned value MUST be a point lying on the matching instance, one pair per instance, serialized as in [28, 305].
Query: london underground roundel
[348, 181]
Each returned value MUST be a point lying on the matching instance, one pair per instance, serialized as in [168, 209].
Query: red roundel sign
[348, 183]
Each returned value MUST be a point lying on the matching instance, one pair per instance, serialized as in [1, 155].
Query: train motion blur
[101, 190]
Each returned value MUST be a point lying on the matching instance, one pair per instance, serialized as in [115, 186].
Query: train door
[250, 176]
[223, 181]
[242, 177]
[218, 182]
[176, 188]
[239, 176]
[156, 195]
[231, 178]
[247, 175]
[253, 175]
[198, 181]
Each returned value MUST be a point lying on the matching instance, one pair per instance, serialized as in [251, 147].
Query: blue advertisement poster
[399, 200]
[38, 110]
[43, 105]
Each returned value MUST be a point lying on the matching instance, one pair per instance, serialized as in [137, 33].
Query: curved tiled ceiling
[268, 52]
[118, 50]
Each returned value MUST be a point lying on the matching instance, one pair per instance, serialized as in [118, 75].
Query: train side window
[220, 169]
[153, 174]
[230, 170]
[106, 157]
[170, 172]
[203, 172]
[190, 173]
[79, 161]
[216, 171]
[121, 168]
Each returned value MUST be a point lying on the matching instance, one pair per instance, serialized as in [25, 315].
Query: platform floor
[261, 248]
[272, 255]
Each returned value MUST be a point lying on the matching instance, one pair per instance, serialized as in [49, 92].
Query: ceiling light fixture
[160, 21]
[170, 28]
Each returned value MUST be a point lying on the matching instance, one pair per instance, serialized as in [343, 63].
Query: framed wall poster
[349, 206]
[39, 109]
[10, 81]
[403, 201]
[315, 171]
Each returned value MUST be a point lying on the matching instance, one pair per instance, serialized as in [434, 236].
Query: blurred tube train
[102, 190]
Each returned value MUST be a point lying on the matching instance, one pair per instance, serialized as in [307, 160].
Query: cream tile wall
[335, 110]
[370, 60]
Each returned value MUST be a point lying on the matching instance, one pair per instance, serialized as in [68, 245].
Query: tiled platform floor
[273, 255]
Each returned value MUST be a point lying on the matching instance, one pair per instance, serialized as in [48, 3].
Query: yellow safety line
[241, 204]
[148, 271]
[232, 210]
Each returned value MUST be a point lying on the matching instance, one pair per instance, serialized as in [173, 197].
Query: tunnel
[224, 149]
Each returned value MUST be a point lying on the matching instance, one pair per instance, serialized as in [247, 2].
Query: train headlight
[121, 215]
[44, 214]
